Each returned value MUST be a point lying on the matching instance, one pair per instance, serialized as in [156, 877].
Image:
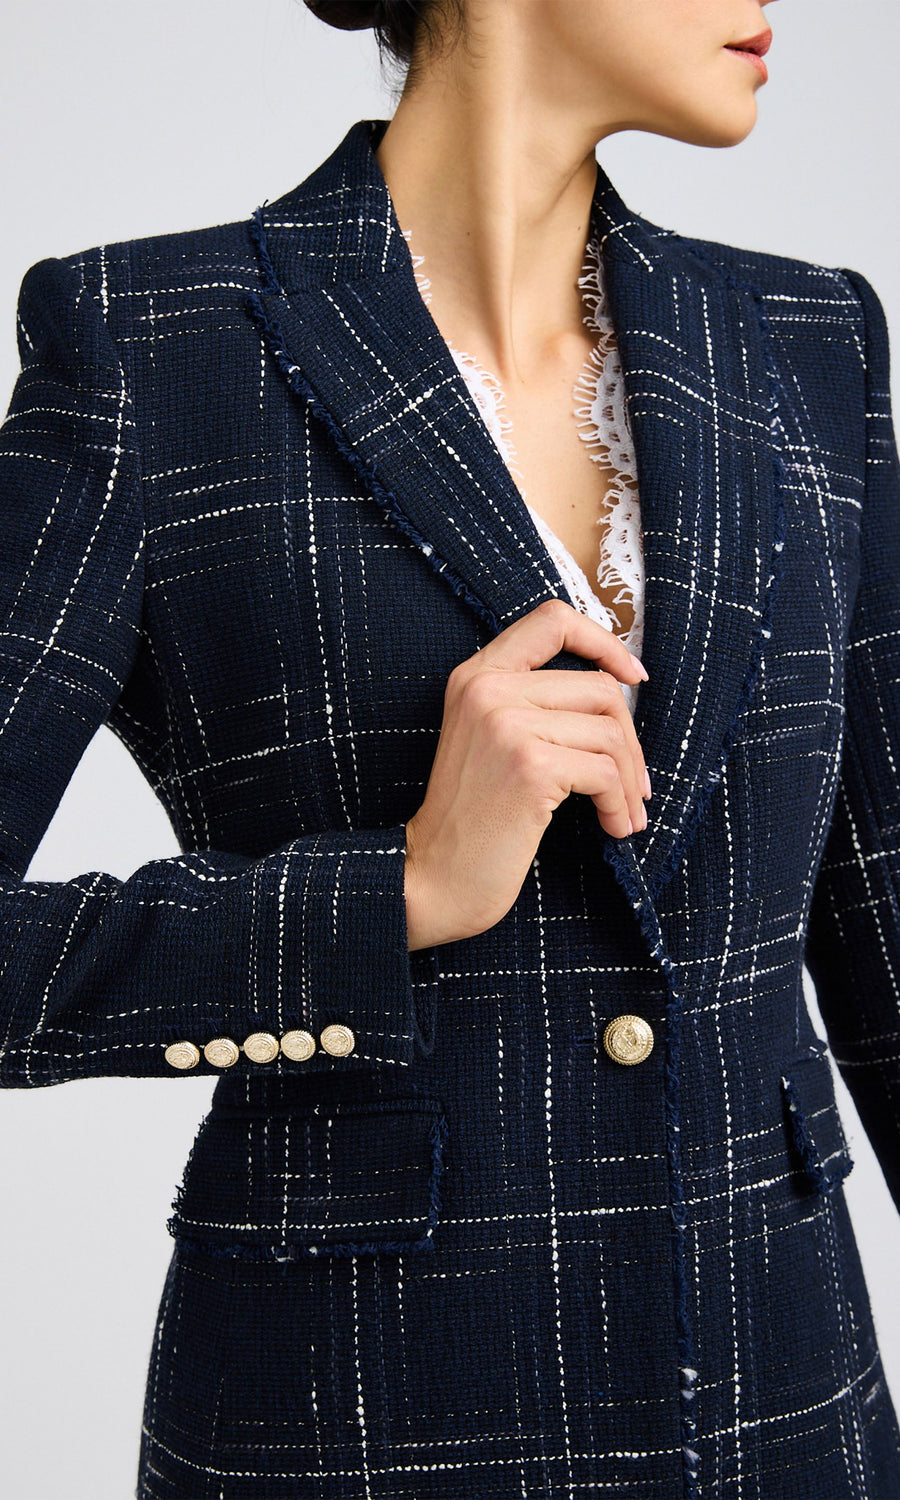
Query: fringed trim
[242, 1250]
[258, 236]
[820, 1178]
[609, 442]
[301, 388]
[621, 537]
[586, 392]
[286, 1254]
[764, 627]
[624, 864]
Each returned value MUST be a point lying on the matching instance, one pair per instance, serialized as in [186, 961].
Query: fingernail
[644, 814]
[630, 826]
[640, 666]
[647, 787]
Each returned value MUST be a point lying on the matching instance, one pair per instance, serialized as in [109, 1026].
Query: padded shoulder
[773, 274]
[140, 280]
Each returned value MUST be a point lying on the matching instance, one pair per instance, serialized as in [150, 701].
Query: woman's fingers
[599, 735]
[599, 777]
[591, 706]
[592, 694]
[512, 662]
[514, 742]
[551, 627]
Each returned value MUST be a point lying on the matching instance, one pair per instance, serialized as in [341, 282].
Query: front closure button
[628, 1039]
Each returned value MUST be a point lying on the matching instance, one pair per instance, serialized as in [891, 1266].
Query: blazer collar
[342, 315]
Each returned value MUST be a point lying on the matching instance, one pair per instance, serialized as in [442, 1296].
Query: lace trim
[603, 424]
[485, 388]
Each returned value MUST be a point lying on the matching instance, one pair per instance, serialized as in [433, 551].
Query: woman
[523, 1173]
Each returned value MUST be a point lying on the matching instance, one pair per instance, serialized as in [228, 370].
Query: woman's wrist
[423, 927]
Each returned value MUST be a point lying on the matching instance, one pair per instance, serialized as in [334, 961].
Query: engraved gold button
[338, 1040]
[298, 1045]
[222, 1052]
[628, 1039]
[182, 1055]
[261, 1047]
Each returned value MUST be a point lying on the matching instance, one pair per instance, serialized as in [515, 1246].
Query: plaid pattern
[252, 520]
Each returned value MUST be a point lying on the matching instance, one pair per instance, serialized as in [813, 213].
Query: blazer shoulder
[802, 299]
[134, 281]
[774, 275]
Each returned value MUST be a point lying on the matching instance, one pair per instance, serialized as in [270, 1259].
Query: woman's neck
[500, 208]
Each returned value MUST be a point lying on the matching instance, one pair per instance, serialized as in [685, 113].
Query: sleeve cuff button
[338, 1040]
[261, 1047]
[222, 1052]
[182, 1055]
[298, 1045]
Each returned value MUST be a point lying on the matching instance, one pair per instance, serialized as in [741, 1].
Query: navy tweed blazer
[440, 1244]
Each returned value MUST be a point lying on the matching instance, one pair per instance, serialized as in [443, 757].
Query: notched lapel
[352, 335]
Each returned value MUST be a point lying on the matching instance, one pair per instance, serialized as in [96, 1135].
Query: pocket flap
[337, 1178]
[815, 1132]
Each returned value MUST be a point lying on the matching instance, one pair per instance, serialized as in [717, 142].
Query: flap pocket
[816, 1137]
[337, 1178]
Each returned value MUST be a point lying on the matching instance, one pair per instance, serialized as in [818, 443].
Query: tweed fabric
[602, 416]
[252, 520]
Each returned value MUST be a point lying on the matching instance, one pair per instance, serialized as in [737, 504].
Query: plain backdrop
[121, 120]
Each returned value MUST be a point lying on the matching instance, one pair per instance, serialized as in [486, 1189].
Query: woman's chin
[728, 125]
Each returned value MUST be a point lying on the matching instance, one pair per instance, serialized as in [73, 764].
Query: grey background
[126, 120]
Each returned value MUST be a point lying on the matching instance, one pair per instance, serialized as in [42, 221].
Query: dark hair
[398, 24]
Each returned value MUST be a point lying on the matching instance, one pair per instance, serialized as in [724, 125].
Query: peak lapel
[702, 404]
[343, 313]
[343, 316]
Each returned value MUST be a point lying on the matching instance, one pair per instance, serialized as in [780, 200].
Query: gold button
[338, 1040]
[261, 1047]
[222, 1052]
[628, 1039]
[298, 1045]
[182, 1055]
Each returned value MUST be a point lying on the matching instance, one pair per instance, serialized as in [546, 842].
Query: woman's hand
[514, 743]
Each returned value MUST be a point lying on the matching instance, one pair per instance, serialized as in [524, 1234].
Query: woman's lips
[752, 57]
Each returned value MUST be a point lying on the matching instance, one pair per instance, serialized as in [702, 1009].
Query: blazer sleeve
[853, 938]
[100, 975]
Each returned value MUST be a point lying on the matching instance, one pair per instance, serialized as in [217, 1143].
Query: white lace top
[599, 408]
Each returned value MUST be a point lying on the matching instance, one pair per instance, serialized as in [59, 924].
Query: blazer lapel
[344, 319]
